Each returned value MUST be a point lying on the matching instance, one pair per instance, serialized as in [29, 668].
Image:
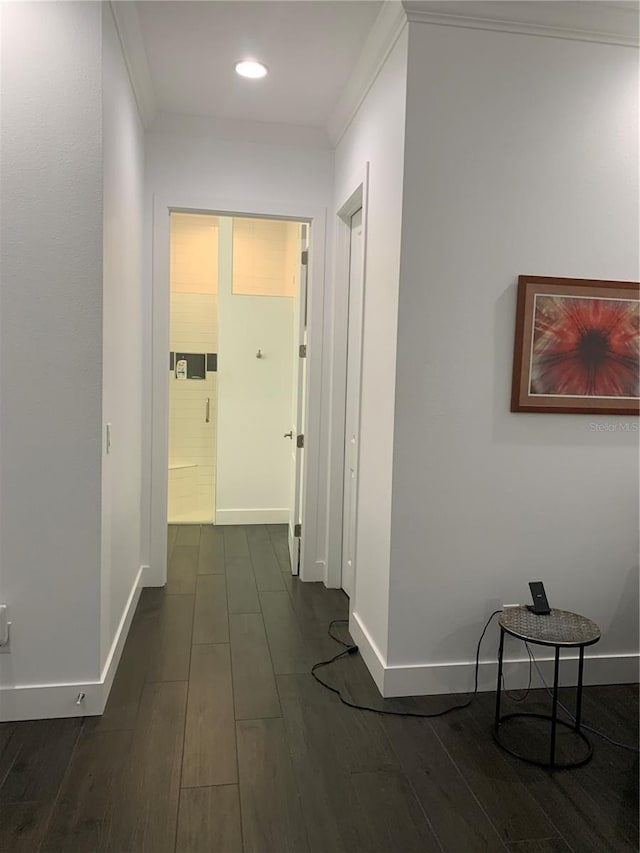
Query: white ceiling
[310, 49]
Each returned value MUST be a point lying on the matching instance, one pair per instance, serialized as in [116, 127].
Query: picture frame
[577, 346]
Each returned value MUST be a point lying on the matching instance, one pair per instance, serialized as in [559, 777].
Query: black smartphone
[540, 604]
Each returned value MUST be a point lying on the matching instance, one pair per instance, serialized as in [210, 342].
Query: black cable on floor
[353, 649]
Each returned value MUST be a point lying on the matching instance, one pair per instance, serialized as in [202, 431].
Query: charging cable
[351, 649]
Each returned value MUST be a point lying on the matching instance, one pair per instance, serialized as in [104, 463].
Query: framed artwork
[577, 346]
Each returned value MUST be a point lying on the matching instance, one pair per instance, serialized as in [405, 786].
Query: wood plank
[211, 556]
[264, 561]
[22, 826]
[210, 740]
[90, 801]
[356, 739]
[398, 823]
[594, 807]
[211, 620]
[182, 570]
[279, 535]
[546, 845]
[209, 820]
[499, 789]
[257, 533]
[254, 687]
[235, 541]
[121, 791]
[289, 651]
[314, 602]
[455, 814]
[170, 624]
[9, 747]
[188, 534]
[124, 698]
[44, 752]
[148, 811]
[272, 819]
[315, 607]
[242, 594]
[333, 816]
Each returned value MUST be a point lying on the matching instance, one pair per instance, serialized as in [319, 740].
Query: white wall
[51, 334]
[376, 135]
[123, 164]
[71, 222]
[238, 164]
[521, 158]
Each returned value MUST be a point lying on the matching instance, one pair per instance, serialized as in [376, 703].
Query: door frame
[357, 198]
[311, 566]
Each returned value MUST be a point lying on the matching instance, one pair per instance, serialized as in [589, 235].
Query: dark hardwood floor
[216, 738]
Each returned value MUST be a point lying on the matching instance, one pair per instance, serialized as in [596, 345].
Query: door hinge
[297, 530]
[304, 257]
[302, 351]
[300, 441]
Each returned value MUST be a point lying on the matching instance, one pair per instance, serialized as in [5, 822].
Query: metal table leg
[499, 687]
[579, 691]
[554, 711]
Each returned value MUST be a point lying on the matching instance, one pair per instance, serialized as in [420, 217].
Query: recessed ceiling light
[251, 68]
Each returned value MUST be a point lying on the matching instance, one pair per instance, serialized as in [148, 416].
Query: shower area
[193, 342]
[233, 283]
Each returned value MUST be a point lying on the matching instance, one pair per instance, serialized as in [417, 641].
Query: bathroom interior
[234, 324]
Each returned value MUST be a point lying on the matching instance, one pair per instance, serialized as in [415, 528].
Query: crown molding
[603, 22]
[129, 31]
[384, 33]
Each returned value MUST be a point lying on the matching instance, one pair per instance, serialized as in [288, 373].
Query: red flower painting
[585, 347]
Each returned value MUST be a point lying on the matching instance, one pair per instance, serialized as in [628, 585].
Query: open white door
[352, 425]
[299, 384]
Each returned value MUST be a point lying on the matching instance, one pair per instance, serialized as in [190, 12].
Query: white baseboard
[430, 679]
[252, 516]
[115, 652]
[313, 572]
[48, 701]
[371, 654]
[441, 678]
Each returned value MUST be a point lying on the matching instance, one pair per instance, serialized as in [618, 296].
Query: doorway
[348, 334]
[236, 384]
[313, 565]
[352, 406]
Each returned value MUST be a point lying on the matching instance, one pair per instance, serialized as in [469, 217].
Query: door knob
[288, 434]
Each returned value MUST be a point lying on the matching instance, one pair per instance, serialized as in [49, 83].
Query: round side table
[561, 630]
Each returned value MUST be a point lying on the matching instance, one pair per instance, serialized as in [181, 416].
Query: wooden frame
[577, 346]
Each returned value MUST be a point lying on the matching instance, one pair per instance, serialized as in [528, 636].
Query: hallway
[217, 739]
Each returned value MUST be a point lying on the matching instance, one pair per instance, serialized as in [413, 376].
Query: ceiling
[310, 49]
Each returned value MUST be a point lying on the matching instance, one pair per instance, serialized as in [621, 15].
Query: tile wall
[193, 329]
